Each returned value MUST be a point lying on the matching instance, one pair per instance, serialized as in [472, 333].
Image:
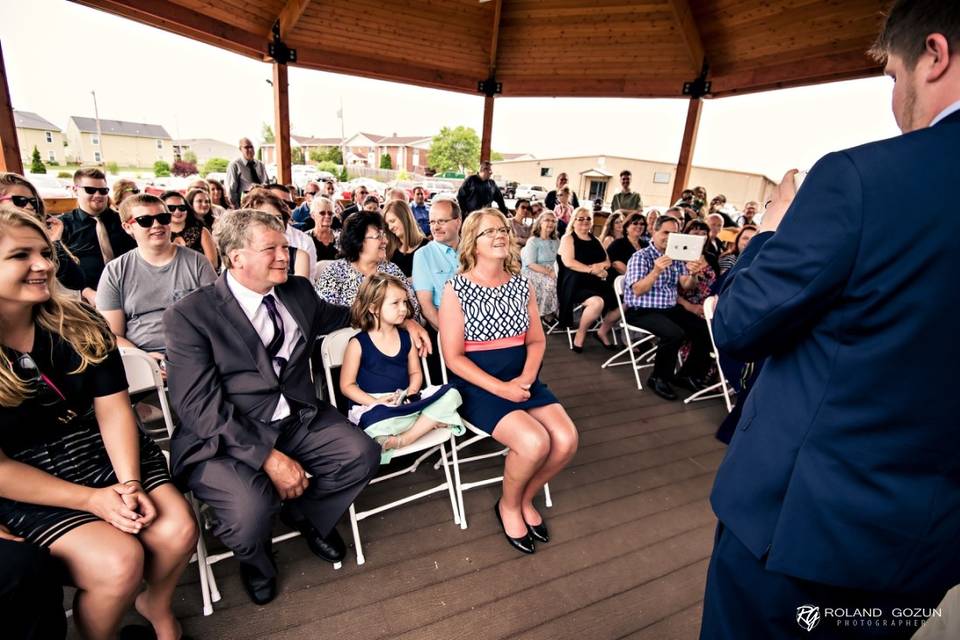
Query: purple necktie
[276, 343]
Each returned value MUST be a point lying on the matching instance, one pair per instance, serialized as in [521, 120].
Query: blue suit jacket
[845, 467]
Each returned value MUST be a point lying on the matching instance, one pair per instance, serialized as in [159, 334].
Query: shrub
[183, 169]
[386, 162]
[215, 165]
[36, 164]
[161, 169]
[64, 174]
[113, 167]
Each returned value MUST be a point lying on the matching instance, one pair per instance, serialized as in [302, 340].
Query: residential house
[129, 144]
[594, 177]
[204, 149]
[35, 131]
[307, 143]
[407, 153]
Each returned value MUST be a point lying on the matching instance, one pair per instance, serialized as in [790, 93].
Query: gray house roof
[121, 128]
[30, 120]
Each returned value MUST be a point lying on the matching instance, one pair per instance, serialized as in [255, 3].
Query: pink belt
[499, 343]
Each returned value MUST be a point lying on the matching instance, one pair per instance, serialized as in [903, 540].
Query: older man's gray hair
[231, 231]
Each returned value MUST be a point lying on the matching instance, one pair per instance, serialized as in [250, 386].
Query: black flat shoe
[260, 589]
[576, 349]
[331, 548]
[524, 544]
[608, 347]
[539, 532]
[661, 387]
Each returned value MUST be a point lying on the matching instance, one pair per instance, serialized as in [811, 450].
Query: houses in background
[35, 131]
[407, 153]
[204, 149]
[130, 144]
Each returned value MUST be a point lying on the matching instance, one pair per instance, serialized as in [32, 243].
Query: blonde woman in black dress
[76, 476]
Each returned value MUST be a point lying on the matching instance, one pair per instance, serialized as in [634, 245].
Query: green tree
[386, 162]
[455, 149]
[296, 155]
[266, 132]
[113, 168]
[329, 167]
[161, 169]
[36, 164]
[189, 156]
[495, 156]
[344, 177]
[329, 154]
[215, 165]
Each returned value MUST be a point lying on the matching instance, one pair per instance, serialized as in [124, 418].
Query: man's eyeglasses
[247, 146]
[497, 231]
[147, 221]
[92, 190]
[437, 222]
[177, 207]
[22, 201]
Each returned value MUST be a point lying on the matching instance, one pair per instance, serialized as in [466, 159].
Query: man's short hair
[454, 206]
[278, 186]
[138, 200]
[232, 229]
[908, 24]
[664, 219]
[626, 172]
[88, 172]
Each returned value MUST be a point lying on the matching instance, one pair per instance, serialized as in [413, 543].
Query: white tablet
[684, 247]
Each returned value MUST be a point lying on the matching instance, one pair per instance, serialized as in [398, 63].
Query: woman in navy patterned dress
[493, 343]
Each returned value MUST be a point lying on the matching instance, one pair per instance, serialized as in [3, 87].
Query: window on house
[51, 156]
[48, 135]
[95, 140]
[159, 144]
[97, 157]
[546, 172]
[661, 177]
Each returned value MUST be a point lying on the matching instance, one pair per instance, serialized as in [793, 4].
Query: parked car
[48, 186]
[530, 192]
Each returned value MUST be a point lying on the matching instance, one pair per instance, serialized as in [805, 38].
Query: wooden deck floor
[631, 527]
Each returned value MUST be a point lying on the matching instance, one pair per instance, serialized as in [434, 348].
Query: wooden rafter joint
[700, 86]
[278, 50]
[490, 87]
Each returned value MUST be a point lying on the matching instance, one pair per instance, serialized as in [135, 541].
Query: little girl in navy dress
[384, 389]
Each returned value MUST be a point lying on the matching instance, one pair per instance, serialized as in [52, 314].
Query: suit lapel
[287, 298]
[231, 310]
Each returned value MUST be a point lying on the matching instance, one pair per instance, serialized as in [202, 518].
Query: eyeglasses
[177, 207]
[247, 146]
[133, 190]
[147, 221]
[310, 193]
[92, 190]
[325, 213]
[523, 207]
[22, 201]
[437, 222]
[380, 236]
[582, 219]
[497, 231]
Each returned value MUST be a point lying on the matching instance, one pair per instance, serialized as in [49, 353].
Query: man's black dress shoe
[539, 532]
[689, 383]
[524, 544]
[260, 589]
[331, 548]
[661, 387]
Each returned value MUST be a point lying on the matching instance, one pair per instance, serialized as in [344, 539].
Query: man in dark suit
[839, 498]
[252, 428]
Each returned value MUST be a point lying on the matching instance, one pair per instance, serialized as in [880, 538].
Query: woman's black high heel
[524, 544]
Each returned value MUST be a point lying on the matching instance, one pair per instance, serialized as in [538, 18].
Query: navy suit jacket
[845, 467]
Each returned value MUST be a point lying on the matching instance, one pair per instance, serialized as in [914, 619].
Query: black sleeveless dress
[574, 287]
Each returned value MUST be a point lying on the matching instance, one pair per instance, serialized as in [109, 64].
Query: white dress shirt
[252, 304]
[946, 112]
[303, 242]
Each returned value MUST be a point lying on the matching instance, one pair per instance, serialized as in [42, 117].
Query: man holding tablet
[650, 299]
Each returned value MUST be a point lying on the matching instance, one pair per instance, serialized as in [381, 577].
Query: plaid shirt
[663, 293]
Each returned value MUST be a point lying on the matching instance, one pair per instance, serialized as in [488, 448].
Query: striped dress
[55, 430]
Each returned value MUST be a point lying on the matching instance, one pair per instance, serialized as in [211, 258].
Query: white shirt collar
[946, 112]
[249, 299]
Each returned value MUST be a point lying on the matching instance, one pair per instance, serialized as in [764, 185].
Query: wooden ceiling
[597, 48]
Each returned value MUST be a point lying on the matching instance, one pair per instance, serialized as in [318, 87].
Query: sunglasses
[582, 219]
[177, 207]
[22, 201]
[92, 190]
[147, 221]
[311, 193]
[133, 190]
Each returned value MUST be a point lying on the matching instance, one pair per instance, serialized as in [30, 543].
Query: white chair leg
[450, 489]
[212, 581]
[459, 485]
[204, 581]
[546, 495]
[356, 535]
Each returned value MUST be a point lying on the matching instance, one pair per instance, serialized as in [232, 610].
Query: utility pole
[96, 114]
[343, 150]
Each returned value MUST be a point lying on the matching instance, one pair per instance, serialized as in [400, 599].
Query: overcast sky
[57, 52]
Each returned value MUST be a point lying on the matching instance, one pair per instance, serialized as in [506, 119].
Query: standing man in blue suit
[841, 488]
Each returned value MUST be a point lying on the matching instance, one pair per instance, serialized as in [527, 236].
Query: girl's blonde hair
[576, 214]
[82, 327]
[365, 310]
[468, 241]
[10, 179]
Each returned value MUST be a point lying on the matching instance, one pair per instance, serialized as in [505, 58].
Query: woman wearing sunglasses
[17, 191]
[123, 189]
[187, 229]
[76, 476]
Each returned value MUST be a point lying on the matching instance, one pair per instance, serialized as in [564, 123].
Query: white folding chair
[477, 436]
[332, 351]
[637, 362]
[709, 306]
[143, 374]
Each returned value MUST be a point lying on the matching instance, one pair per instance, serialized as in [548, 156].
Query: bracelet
[134, 480]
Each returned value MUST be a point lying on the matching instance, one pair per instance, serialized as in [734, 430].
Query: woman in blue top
[493, 344]
[539, 257]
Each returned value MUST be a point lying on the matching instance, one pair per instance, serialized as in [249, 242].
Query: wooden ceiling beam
[290, 15]
[689, 32]
[185, 22]
[849, 65]
[495, 35]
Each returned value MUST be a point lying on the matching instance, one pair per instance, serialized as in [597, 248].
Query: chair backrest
[321, 266]
[709, 306]
[143, 374]
[618, 289]
[443, 363]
